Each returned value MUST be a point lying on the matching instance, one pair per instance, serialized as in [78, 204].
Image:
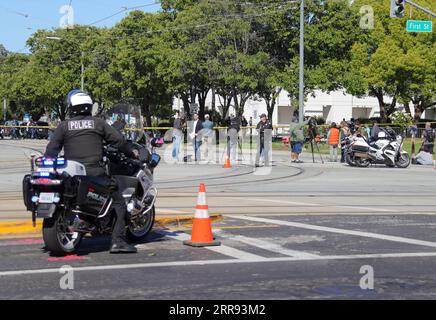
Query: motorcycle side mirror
[154, 161]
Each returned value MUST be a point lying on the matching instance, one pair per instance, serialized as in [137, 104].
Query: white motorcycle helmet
[79, 103]
[382, 135]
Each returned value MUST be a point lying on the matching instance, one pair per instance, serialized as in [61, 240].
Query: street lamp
[82, 69]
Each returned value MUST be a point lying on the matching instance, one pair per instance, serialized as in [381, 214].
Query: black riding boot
[119, 242]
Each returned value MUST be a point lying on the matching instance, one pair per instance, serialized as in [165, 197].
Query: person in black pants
[263, 145]
[428, 136]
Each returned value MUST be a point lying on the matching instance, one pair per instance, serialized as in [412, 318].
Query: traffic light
[397, 8]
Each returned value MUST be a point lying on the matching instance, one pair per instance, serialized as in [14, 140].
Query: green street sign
[419, 26]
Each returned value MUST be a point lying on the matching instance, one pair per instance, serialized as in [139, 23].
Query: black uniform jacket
[82, 138]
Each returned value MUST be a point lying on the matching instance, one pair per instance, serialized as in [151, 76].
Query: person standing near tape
[296, 136]
[345, 132]
[428, 136]
[232, 136]
[264, 143]
[207, 138]
[195, 135]
[177, 135]
[333, 138]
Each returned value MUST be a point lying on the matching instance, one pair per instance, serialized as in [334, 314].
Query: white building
[333, 107]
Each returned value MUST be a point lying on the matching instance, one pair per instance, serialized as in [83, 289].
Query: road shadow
[96, 244]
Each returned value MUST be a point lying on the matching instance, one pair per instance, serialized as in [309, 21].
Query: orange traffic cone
[202, 227]
[227, 164]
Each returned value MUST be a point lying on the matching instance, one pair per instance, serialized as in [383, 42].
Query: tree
[387, 60]
[3, 52]
[56, 59]
[187, 53]
[134, 68]
[330, 32]
[13, 86]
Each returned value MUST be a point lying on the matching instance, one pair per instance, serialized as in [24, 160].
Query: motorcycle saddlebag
[27, 192]
[92, 194]
[360, 148]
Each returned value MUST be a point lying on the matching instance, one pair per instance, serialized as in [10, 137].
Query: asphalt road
[296, 232]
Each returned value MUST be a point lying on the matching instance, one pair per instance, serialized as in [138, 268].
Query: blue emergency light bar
[43, 162]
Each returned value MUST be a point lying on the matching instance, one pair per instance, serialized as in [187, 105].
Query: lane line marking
[266, 245]
[247, 227]
[340, 231]
[313, 204]
[222, 249]
[218, 262]
[277, 201]
[367, 208]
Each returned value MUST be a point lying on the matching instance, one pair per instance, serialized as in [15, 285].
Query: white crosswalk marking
[337, 230]
[266, 245]
[222, 249]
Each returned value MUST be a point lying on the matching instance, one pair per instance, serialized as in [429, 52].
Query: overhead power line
[279, 7]
[25, 15]
[125, 9]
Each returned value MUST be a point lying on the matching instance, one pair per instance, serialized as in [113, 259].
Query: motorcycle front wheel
[58, 240]
[403, 161]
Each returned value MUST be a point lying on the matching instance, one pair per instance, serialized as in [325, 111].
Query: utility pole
[82, 74]
[301, 85]
[4, 109]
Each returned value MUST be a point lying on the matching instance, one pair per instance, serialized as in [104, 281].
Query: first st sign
[419, 26]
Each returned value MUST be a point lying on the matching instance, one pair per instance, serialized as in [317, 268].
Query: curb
[12, 228]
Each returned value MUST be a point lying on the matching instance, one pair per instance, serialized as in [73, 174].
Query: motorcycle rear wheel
[139, 234]
[57, 239]
[349, 160]
[362, 163]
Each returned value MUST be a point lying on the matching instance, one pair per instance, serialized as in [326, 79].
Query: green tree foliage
[387, 60]
[134, 68]
[236, 49]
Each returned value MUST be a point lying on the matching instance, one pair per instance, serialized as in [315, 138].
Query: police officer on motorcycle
[82, 138]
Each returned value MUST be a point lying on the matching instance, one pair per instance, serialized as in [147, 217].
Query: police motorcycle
[72, 204]
[387, 150]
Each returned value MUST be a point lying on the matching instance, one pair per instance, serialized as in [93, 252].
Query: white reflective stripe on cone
[201, 214]
[201, 198]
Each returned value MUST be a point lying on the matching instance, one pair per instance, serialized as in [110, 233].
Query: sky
[19, 19]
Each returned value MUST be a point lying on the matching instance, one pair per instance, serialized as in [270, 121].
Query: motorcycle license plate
[46, 197]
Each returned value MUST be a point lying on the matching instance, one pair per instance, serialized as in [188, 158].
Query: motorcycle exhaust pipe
[361, 155]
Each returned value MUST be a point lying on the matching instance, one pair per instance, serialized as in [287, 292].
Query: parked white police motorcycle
[387, 150]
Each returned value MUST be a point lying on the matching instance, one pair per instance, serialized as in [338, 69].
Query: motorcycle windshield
[126, 119]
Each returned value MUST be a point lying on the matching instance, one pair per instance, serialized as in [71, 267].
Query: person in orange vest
[333, 138]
